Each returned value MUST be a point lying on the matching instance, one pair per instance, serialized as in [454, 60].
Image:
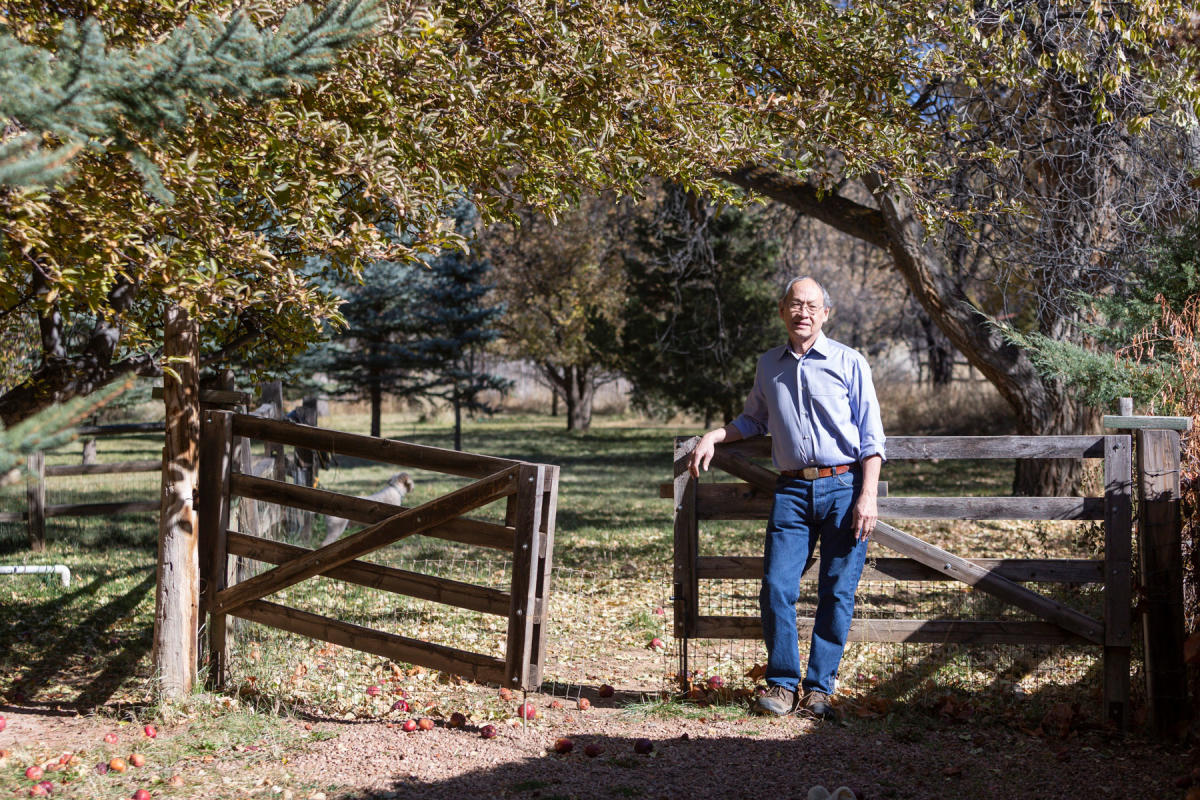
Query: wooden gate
[527, 532]
[1003, 578]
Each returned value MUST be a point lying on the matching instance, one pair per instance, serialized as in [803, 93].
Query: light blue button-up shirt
[819, 408]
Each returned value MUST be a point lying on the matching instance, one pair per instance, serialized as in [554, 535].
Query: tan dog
[397, 487]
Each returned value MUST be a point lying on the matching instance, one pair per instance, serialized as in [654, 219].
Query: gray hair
[787, 290]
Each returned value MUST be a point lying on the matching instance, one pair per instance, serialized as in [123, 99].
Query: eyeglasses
[811, 308]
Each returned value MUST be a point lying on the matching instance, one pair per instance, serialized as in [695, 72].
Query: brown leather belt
[812, 473]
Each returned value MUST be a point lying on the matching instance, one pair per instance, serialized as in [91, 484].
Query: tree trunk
[1042, 406]
[553, 402]
[457, 422]
[577, 386]
[176, 609]
[376, 393]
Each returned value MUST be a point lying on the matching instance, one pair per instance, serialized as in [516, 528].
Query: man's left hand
[866, 514]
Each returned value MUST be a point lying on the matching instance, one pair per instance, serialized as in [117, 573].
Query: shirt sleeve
[753, 419]
[866, 413]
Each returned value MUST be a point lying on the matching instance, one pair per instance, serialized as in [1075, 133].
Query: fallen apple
[659, 611]
[117, 764]
[584, 704]
[488, 731]
[409, 725]
[656, 644]
[506, 693]
[400, 705]
[34, 773]
[111, 738]
[141, 794]
[175, 780]
[643, 746]
[457, 719]
[47, 785]
[102, 768]
[3, 722]
[151, 732]
[37, 790]
[137, 760]
[373, 691]
[556, 704]
[527, 711]
[716, 682]
[605, 690]
[593, 750]
[425, 724]
[563, 745]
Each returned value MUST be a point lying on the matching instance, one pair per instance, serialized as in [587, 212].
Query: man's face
[803, 311]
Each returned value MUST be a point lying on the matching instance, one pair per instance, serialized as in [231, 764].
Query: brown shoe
[817, 705]
[779, 701]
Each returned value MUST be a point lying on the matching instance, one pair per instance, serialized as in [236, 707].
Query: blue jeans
[805, 511]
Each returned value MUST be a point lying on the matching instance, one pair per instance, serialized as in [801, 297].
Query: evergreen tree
[701, 308]
[371, 356]
[456, 321]
[83, 92]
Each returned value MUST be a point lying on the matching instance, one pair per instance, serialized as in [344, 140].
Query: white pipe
[25, 569]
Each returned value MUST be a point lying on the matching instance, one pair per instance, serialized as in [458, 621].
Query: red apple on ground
[102, 768]
[458, 719]
[400, 705]
[117, 764]
[3, 722]
[137, 760]
[584, 704]
[656, 644]
[47, 785]
[37, 790]
[34, 773]
[175, 780]
[488, 731]
[605, 690]
[593, 750]
[151, 732]
[409, 725]
[425, 724]
[111, 738]
[716, 682]
[527, 711]
[506, 693]
[556, 704]
[141, 794]
[373, 691]
[659, 611]
[564, 745]
[643, 746]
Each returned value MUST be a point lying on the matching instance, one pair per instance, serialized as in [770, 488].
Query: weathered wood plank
[1127, 422]
[377, 576]
[112, 468]
[737, 501]
[544, 570]
[35, 497]
[474, 666]
[1160, 561]
[922, 448]
[1054, 570]
[686, 535]
[405, 523]
[216, 466]
[101, 509]
[360, 509]
[123, 429]
[519, 646]
[386, 451]
[903, 630]
[1118, 564]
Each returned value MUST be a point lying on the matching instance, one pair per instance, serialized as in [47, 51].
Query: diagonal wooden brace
[408, 522]
[947, 563]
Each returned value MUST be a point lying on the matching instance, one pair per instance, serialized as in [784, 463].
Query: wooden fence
[37, 511]
[527, 533]
[922, 561]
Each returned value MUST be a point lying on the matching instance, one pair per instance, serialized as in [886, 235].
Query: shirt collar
[818, 347]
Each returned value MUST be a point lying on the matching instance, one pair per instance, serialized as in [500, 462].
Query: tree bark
[176, 614]
[1042, 405]
[577, 386]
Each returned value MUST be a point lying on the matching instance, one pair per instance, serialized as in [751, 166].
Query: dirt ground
[692, 757]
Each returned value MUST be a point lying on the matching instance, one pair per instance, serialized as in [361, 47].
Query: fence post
[686, 586]
[1160, 562]
[531, 479]
[549, 504]
[216, 465]
[35, 491]
[89, 451]
[1118, 535]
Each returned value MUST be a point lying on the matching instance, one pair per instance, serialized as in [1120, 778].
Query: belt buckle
[810, 473]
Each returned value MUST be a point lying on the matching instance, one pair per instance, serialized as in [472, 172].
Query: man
[815, 398]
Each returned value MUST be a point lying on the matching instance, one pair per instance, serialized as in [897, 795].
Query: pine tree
[701, 308]
[456, 322]
[84, 93]
[371, 356]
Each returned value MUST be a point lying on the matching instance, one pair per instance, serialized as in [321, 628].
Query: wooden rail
[1005, 579]
[527, 532]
